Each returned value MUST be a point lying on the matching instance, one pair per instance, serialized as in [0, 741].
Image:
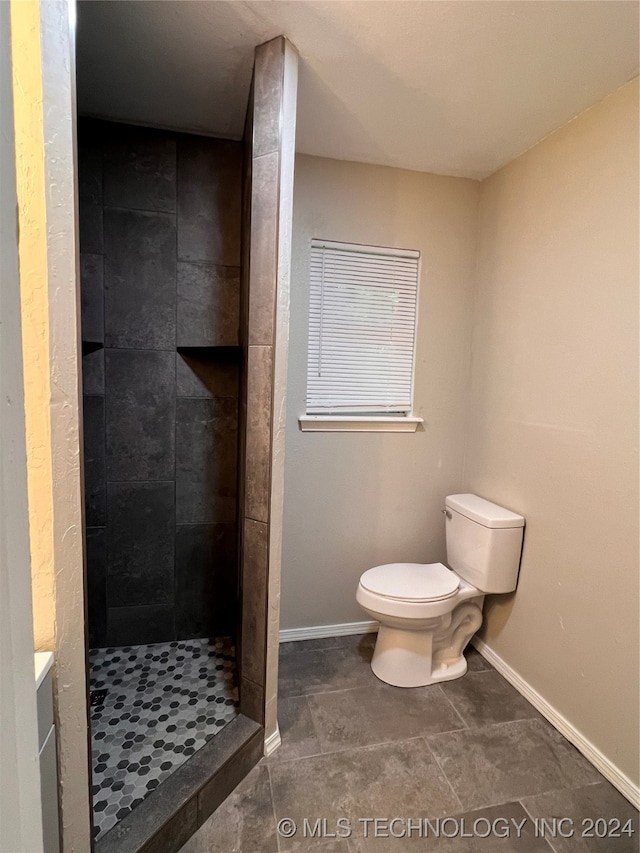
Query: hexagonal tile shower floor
[163, 702]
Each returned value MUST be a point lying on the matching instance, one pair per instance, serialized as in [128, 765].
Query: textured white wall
[20, 812]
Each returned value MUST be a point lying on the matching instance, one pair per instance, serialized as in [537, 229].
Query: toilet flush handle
[447, 512]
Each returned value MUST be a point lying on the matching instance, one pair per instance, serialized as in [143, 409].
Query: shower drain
[97, 697]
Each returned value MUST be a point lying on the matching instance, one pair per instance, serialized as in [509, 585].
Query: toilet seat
[411, 582]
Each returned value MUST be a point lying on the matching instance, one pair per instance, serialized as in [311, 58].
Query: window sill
[358, 423]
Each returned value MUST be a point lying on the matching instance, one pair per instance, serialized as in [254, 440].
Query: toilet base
[428, 654]
[404, 659]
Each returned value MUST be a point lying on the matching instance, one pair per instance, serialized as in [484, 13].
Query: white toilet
[427, 612]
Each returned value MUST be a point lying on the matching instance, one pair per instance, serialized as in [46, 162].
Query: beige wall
[546, 423]
[553, 418]
[353, 500]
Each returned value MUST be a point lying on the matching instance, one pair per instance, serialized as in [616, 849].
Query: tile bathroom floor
[163, 702]
[355, 748]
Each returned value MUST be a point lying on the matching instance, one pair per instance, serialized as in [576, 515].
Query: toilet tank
[484, 542]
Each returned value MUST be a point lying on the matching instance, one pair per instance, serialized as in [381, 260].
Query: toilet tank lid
[484, 512]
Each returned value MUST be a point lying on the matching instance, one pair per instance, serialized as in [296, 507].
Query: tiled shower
[160, 222]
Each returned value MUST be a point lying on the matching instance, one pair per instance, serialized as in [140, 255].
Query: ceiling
[455, 87]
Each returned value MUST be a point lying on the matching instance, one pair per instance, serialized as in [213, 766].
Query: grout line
[351, 748]
[531, 817]
[450, 702]
[273, 804]
[122, 209]
[438, 764]
[313, 722]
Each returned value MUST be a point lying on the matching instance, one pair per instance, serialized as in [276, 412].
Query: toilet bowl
[429, 612]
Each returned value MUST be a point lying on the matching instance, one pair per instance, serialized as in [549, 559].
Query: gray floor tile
[327, 845]
[244, 823]
[583, 806]
[482, 698]
[503, 829]
[389, 779]
[475, 661]
[507, 761]
[378, 713]
[323, 670]
[296, 730]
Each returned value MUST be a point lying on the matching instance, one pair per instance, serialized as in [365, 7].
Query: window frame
[382, 420]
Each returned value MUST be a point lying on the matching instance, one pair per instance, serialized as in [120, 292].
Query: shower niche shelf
[91, 346]
[224, 354]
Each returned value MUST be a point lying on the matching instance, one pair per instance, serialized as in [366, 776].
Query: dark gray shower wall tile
[139, 168]
[268, 80]
[252, 700]
[93, 372]
[140, 415]
[258, 441]
[140, 279]
[91, 227]
[90, 135]
[206, 451]
[90, 185]
[209, 194]
[128, 626]
[140, 544]
[92, 297]
[254, 598]
[205, 580]
[96, 586]
[208, 297]
[94, 461]
[245, 226]
[206, 377]
[264, 250]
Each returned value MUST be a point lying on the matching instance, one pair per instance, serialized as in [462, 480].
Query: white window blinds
[362, 323]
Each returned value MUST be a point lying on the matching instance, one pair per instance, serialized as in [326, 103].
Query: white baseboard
[272, 742]
[289, 635]
[608, 769]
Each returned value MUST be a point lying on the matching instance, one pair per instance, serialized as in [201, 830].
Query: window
[362, 325]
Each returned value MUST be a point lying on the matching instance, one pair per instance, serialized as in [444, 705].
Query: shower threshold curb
[171, 813]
